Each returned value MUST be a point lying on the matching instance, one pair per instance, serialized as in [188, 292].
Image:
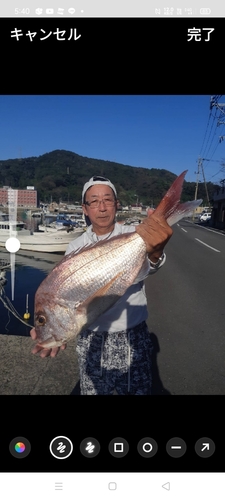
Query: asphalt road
[186, 302]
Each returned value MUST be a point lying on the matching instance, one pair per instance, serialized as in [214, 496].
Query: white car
[205, 217]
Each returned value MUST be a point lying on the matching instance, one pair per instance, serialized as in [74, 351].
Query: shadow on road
[157, 386]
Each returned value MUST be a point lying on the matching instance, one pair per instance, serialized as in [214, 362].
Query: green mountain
[60, 175]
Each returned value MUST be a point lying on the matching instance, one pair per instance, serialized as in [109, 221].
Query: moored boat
[37, 241]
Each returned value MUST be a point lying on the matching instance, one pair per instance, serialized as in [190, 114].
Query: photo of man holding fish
[97, 292]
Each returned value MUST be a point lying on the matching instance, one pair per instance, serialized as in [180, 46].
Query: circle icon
[176, 447]
[61, 447]
[147, 447]
[90, 447]
[118, 447]
[71, 10]
[19, 447]
[12, 245]
[205, 447]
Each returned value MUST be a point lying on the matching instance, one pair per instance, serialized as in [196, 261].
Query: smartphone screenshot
[111, 280]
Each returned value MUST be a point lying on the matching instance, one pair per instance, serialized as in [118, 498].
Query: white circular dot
[12, 244]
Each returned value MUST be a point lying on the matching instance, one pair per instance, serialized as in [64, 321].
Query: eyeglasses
[109, 202]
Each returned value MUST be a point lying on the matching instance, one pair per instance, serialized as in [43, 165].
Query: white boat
[54, 227]
[37, 241]
[4, 223]
[51, 228]
[63, 222]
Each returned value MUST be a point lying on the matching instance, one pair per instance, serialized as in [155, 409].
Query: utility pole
[206, 190]
[196, 186]
[200, 166]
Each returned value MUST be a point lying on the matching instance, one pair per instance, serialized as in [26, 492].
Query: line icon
[176, 447]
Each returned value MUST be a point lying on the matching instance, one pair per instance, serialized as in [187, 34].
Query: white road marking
[215, 250]
[207, 228]
[217, 232]
[184, 230]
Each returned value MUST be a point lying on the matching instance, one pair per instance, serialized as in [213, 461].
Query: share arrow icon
[205, 446]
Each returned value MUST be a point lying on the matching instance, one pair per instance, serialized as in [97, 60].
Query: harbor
[32, 239]
[20, 371]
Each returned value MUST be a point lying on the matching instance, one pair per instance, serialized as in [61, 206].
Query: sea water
[30, 270]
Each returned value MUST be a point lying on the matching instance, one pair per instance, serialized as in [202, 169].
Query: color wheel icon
[19, 447]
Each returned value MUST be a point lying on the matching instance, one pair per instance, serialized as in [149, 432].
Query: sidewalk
[23, 373]
[207, 225]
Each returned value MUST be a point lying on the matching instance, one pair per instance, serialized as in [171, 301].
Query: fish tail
[170, 206]
[171, 200]
[183, 210]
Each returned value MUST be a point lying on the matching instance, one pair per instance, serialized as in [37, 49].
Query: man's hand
[156, 233]
[42, 350]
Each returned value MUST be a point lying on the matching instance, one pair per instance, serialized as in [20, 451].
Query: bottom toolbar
[61, 447]
[116, 486]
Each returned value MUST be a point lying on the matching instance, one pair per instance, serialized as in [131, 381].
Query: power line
[216, 113]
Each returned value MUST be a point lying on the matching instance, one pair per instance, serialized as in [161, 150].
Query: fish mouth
[51, 343]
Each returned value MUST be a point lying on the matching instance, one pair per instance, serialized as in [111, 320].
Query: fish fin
[183, 210]
[101, 292]
[171, 200]
[80, 250]
[68, 256]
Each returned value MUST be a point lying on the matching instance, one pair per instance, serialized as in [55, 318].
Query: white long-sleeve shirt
[131, 309]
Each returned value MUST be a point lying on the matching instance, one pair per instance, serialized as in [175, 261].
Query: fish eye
[41, 320]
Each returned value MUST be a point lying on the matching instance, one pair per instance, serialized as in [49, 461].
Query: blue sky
[152, 131]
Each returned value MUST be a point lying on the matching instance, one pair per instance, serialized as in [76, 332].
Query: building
[136, 208]
[26, 198]
[218, 210]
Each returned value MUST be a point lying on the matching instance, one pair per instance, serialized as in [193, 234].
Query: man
[114, 354]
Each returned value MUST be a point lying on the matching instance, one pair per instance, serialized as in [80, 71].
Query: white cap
[97, 179]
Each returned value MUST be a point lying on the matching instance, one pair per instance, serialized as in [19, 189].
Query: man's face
[101, 216]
